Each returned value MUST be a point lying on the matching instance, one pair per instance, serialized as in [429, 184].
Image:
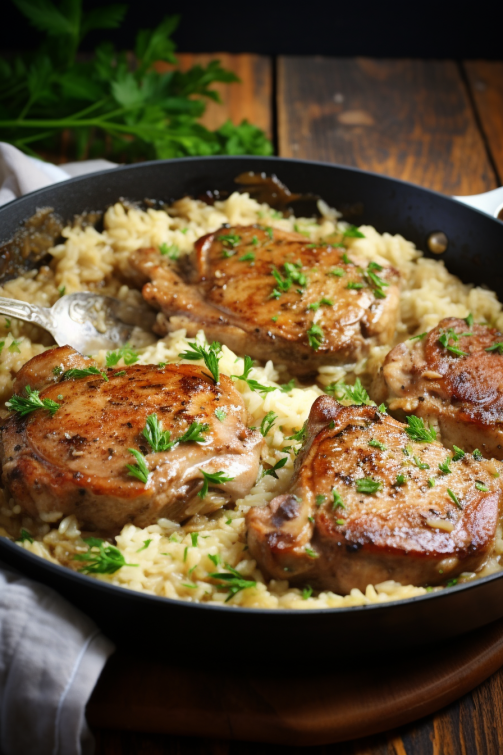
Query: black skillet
[474, 252]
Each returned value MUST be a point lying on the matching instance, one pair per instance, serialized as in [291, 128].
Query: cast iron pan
[139, 620]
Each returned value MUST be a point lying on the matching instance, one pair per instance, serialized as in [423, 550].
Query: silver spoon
[88, 322]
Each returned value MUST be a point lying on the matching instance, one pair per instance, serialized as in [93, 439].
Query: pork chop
[274, 295]
[72, 456]
[452, 377]
[369, 503]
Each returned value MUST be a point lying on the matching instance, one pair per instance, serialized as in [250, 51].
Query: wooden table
[435, 123]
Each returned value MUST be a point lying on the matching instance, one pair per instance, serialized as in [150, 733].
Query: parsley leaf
[267, 423]
[416, 430]
[496, 347]
[445, 466]
[338, 503]
[287, 387]
[210, 355]
[353, 233]
[272, 470]
[254, 385]
[307, 591]
[220, 414]
[458, 453]
[170, 250]
[101, 557]
[300, 435]
[215, 477]
[377, 444]
[315, 336]
[367, 485]
[139, 470]
[145, 545]
[355, 393]
[76, 373]
[24, 535]
[24, 405]
[480, 486]
[454, 498]
[129, 355]
[233, 582]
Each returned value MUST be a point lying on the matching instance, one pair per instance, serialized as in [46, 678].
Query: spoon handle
[27, 312]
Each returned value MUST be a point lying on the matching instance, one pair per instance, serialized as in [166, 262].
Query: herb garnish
[220, 414]
[447, 336]
[307, 591]
[300, 435]
[145, 545]
[496, 347]
[311, 553]
[368, 485]
[24, 535]
[355, 286]
[129, 355]
[377, 444]
[170, 250]
[254, 385]
[337, 503]
[431, 482]
[210, 355]
[315, 336]
[480, 486]
[337, 271]
[353, 233]
[139, 470]
[420, 464]
[76, 373]
[375, 282]
[216, 477]
[320, 499]
[477, 455]
[355, 393]
[24, 405]
[267, 423]
[419, 337]
[400, 479]
[233, 582]
[287, 387]
[469, 320]
[248, 257]
[317, 304]
[416, 430]
[454, 498]
[458, 453]
[445, 466]
[272, 471]
[101, 557]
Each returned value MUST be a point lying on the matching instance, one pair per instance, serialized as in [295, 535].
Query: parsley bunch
[110, 106]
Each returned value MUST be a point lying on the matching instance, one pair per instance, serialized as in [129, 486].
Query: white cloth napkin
[51, 654]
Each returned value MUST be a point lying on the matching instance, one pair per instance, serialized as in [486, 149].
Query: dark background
[441, 29]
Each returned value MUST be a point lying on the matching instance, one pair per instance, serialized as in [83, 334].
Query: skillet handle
[491, 202]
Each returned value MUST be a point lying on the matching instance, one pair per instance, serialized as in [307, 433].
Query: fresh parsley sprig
[210, 355]
[160, 440]
[254, 385]
[215, 477]
[416, 430]
[129, 355]
[24, 405]
[140, 469]
[233, 581]
[76, 373]
[355, 393]
[101, 557]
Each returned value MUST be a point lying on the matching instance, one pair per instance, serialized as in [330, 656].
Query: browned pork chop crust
[326, 533]
[75, 462]
[461, 393]
[230, 290]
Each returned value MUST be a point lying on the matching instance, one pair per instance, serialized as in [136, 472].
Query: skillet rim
[105, 587]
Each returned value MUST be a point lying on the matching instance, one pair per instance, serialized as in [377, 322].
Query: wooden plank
[486, 83]
[411, 119]
[249, 100]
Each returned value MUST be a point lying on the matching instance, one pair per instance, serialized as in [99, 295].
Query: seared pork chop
[368, 503]
[452, 377]
[74, 460]
[275, 295]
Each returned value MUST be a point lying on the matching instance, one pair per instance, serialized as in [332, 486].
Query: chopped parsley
[353, 233]
[269, 232]
[477, 455]
[420, 464]
[14, 347]
[252, 384]
[76, 373]
[419, 337]
[445, 339]
[129, 355]
[215, 477]
[400, 479]
[7, 322]
[248, 257]
[458, 453]
[416, 430]
[160, 440]
[57, 370]
[383, 408]
[353, 285]
[233, 582]
[368, 485]
[140, 469]
[469, 320]
[454, 498]
[315, 336]
[311, 553]
[496, 347]
[61, 291]
[101, 557]
[193, 538]
[480, 486]
[119, 374]
[220, 414]
[445, 466]
[229, 239]
[346, 259]
[170, 250]
[337, 503]
[377, 444]
[145, 545]
[267, 423]
[322, 302]
[431, 482]
[320, 499]
[338, 272]
[307, 592]
[375, 282]
[272, 471]
[355, 393]
[210, 355]
[216, 559]
[24, 535]
[300, 435]
[24, 405]
[287, 387]
[275, 318]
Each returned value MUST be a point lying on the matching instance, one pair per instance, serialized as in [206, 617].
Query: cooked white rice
[168, 559]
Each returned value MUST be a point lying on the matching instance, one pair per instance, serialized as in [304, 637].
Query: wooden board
[301, 705]
[486, 85]
[249, 100]
[411, 119]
